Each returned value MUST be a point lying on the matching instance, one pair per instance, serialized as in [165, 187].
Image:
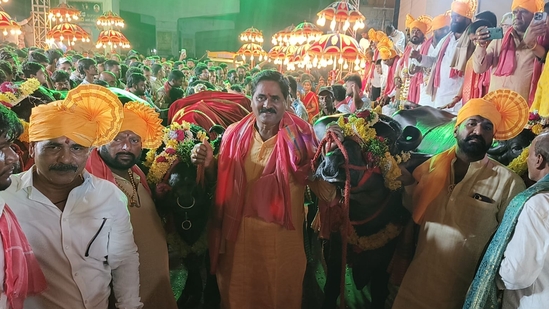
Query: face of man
[441, 33]
[326, 102]
[532, 161]
[190, 64]
[522, 19]
[389, 62]
[91, 71]
[67, 67]
[147, 74]
[204, 75]
[139, 88]
[241, 72]
[459, 23]
[62, 85]
[123, 152]
[416, 36]
[268, 103]
[349, 87]
[232, 77]
[41, 76]
[59, 161]
[177, 83]
[109, 79]
[8, 162]
[100, 68]
[116, 70]
[379, 69]
[307, 86]
[213, 79]
[474, 136]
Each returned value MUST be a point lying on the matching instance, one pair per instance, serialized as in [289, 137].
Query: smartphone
[540, 16]
[495, 33]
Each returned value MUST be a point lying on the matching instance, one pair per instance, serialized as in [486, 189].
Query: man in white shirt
[398, 37]
[77, 224]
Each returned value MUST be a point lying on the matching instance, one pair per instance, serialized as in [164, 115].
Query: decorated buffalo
[365, 167]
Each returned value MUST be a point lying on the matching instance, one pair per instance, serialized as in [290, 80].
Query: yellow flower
[149, 159]
[375, 241]
[519, 164]
[537, 128]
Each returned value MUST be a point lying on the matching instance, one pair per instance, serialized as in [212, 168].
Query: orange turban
[440, 22]
[529, 5]
[465, 8]
[506, 109]
[144, 121]
[386, 49]
[423, 23]
[372, 35]
[90, 115]
[409, 20]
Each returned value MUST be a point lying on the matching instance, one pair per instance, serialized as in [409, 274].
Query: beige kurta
[265, 267]
[155, 289]
[455, 230]
[520, 81]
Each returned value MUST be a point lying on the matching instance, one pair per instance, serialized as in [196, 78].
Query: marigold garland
[11, 94]
[183, 249]
[374, 146]
[519, 164]
[179, 140]
[375, 241]
[24, 137]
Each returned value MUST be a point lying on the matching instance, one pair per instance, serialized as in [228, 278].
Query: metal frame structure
[356, 3]
[40, 21]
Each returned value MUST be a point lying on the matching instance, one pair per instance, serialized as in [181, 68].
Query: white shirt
[399, 40]
[79, 248]
[424, 98]
[449, 87]
[525, 267]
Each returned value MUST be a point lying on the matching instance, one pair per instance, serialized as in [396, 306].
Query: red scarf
[374, 59]
[507, 58]
[291, 157]
[23, 276]
[416, 81]
[453, 72]
[97, 167]
[391, 85]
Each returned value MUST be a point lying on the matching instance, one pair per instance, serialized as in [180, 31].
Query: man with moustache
[326, 102]
[61, 80]
[458, 199]
[117, 163]
[445, 81]
[108, 77]
[20, 274]
[77, 224]
[515, 60]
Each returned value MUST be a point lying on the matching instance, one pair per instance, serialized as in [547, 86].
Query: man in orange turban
[117, 163]
[77, 224]
[514, 60]
[458, 200]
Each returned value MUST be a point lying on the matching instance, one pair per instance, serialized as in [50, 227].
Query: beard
[416, 40]
[115, 162]
[458, 27]
[474, 150]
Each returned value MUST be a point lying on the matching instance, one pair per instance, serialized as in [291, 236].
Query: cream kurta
[265, 267]
[155, 289]
[452, 238]
[520, 81]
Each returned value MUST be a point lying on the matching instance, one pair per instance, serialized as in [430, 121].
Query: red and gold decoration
[252, 51]
[336, 48]
[252, 35]
[113, 39]
[110, 20]
[67, 32]
[8, 25]
[63, 13]
[282, 37]
[305, 32]
[343, 13]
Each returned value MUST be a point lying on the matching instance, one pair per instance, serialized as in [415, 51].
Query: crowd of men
[79, 227]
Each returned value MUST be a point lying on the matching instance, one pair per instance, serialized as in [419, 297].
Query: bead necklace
[133, 201]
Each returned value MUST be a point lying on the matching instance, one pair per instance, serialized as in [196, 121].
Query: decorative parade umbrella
[110, 19]
[251, 50]
[252, 35]
[282, 37]
[112, 38]
[63, 13]
[336, 47]
[300, 58]
[341, 12]
[276, 53]
[8, 25]
[69, 32]
[305, 32]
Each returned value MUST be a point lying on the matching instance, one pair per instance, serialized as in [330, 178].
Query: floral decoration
[11, 94]
[519, 164]
[375, 241]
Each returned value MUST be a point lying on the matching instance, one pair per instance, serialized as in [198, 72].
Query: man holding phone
[513, 58]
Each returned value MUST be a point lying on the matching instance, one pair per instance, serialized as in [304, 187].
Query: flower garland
[519, 165]
[375, 241]
[375, 147]
[179, 140]
[11, 94]
[177, 244]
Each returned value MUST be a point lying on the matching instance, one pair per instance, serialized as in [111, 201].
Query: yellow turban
[144, 121]
[91, 115]
[386, 49]
[409, 20]
[465, 8]
[423, 23]
[506, 109]
[372, 35]
[440, 22]
[529, 5]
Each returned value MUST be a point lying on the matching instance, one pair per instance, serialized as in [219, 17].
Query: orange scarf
[291, 157]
